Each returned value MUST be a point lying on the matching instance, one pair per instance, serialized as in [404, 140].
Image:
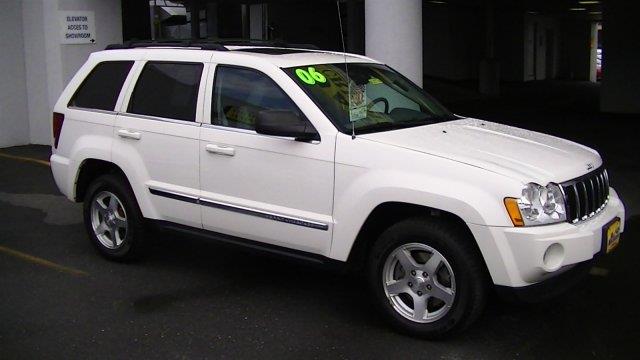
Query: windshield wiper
[384, 126]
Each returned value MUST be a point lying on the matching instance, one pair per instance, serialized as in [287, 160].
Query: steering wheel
[380, 99]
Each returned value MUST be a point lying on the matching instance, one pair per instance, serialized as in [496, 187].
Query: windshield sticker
[374, 81]
[311, 76]
[357, 102]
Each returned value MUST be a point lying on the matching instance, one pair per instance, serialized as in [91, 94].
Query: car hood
[527, 156]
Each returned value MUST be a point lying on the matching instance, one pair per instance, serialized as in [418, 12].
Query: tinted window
[168, 90]
[102, 86]
[239, 95]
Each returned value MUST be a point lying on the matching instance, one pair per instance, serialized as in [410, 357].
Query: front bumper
[516, 256]
[550, 288]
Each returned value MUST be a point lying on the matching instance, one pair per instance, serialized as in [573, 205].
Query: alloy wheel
[419, 282]
[109, 219]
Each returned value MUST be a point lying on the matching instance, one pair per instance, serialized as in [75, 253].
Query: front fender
[389, 174]
[354, 203]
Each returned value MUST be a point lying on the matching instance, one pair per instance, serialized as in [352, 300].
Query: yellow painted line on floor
[26, 159]
[42, 262]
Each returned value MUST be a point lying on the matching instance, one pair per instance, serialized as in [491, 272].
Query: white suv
[328, 157]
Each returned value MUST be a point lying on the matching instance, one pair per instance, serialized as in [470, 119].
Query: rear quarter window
[101, 88]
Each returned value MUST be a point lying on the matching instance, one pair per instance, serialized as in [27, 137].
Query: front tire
[427, 277]
[113, 219]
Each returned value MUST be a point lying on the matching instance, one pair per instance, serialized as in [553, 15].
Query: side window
[168, 90]
[101, 88]
[239, 94]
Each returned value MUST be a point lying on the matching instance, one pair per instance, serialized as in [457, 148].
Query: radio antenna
[346, 69]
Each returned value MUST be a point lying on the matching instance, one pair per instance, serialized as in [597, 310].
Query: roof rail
[269, 43]
[202, 44]
[207, 44]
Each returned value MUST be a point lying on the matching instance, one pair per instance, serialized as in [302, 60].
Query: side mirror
[285, 123]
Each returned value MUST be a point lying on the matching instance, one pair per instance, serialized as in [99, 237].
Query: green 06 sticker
[310, 76]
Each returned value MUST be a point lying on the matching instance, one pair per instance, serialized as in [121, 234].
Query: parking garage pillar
[393, 35]
[194, 8]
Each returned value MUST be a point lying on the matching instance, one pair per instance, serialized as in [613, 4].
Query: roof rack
[204, 45]
[270, 43]
[207, 44]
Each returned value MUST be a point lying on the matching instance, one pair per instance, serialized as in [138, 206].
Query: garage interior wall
[576, 49]
[14, 127]
[621, 57]
[451, 41]
[38, 66]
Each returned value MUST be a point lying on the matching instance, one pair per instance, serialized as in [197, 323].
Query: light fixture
[588, 2]
[577, 9]
[437, 2]
[595, 12]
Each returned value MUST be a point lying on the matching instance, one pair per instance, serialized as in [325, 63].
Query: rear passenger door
[156, 136]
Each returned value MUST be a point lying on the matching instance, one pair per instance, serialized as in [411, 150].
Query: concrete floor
[194, 299]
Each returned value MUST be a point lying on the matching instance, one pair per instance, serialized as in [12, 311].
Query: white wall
[38, 66]
[108, 31]
[14, 127]
[42, 64]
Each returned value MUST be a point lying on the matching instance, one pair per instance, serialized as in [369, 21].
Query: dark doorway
[550, 55]
[136, 20]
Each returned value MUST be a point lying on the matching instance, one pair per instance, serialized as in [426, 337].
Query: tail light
[58, 120]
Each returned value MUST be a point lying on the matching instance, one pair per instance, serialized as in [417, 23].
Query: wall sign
[77, 27]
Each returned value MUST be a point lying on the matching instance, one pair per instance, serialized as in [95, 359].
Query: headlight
[538, 205]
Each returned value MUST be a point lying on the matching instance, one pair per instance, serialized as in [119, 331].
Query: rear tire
[113, 219]
[427, 277]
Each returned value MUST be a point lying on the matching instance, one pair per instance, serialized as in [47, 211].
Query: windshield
[380, 98]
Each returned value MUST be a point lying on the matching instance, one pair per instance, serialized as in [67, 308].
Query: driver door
[269, 189]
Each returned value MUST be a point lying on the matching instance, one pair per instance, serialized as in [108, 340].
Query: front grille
[587, 195]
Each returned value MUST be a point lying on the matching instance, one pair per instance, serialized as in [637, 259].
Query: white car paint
[465, 167]
[520, 154]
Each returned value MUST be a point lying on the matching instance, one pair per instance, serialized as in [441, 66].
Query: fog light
[553, 257]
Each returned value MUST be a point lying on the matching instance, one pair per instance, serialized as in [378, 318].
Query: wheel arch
[89, 170]
[388, 213]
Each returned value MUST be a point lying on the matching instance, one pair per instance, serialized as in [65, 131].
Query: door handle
[221, 150]
[129, 134]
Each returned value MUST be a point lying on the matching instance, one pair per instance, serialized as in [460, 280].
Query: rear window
[168, 90]
[102, 86]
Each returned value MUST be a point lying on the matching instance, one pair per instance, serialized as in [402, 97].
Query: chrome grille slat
[603, 187]
[577, 202]
[599, 191]
[591, 194]
[586, 195]
[584, 200]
